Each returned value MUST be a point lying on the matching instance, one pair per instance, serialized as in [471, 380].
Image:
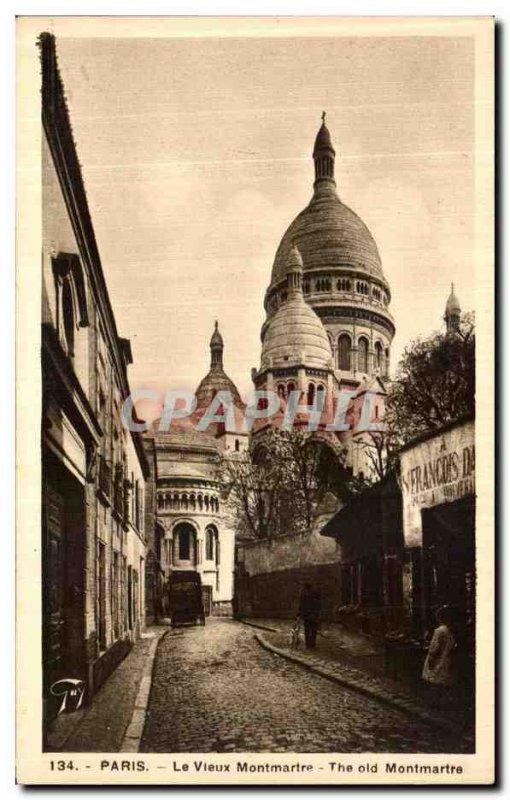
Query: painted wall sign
[438, 470]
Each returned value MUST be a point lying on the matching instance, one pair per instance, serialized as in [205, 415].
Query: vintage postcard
[255, 437]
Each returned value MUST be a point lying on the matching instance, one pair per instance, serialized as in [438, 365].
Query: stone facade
[193, 520]
[93, 469]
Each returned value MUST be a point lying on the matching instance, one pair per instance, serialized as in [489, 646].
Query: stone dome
[452, 304]
[215, 381]
[329, 235]
[295, 335]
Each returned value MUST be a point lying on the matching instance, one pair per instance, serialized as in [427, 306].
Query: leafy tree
[434, 384]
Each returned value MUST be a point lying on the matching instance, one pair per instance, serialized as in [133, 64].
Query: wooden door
[53, 598]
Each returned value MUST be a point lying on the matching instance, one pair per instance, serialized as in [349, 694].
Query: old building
[193, 521]
[93, 469]
[328, 330]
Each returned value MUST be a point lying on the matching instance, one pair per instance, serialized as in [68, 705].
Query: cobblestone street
[216, 690]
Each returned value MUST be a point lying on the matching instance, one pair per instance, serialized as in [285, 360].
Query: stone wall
[276, 594]
[270, 573]
[291, 551]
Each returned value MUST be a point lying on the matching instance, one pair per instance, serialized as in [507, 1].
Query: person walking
[309, 611]
[438, 667]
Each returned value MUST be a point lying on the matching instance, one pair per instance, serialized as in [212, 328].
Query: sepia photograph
[256, 291]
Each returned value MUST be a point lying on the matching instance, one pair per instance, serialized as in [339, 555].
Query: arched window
[311, 394]
[68, 316]
[291, 387]
[281, 390]
[209, 544]
[386, 362]
[184, 542]
[363, 354]
[378, 356]
[320, 396]
[344, 352]
[237, 445]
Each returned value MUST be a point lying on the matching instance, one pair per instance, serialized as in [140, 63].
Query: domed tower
[343, 279]
[452, 312]
[296, 353]
[216, 379]
[230, 434]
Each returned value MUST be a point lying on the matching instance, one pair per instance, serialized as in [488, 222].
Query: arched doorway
[185, 545]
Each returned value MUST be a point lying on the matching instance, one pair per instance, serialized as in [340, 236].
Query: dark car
[185, 598]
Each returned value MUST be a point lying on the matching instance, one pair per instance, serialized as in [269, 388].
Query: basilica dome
[216, 379]
[329, 235]
[295, 333]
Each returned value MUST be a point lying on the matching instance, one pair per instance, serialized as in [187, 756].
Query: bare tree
[277, 488]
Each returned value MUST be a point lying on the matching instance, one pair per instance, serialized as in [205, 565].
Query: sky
[196, 156]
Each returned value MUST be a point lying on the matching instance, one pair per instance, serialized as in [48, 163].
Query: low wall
[276, 594]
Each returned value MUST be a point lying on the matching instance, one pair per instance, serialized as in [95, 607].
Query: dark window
[68, 316]
[378, 355]
[311, 394]
[363, 355]
[184, 545]
[344, 352]
[209, 544]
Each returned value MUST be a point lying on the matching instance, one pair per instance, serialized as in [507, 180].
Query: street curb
[255, 625]
[407, 706]
[134, 731]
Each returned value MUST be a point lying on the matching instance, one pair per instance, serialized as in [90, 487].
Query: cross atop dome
[216, 345]
[324, 156]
